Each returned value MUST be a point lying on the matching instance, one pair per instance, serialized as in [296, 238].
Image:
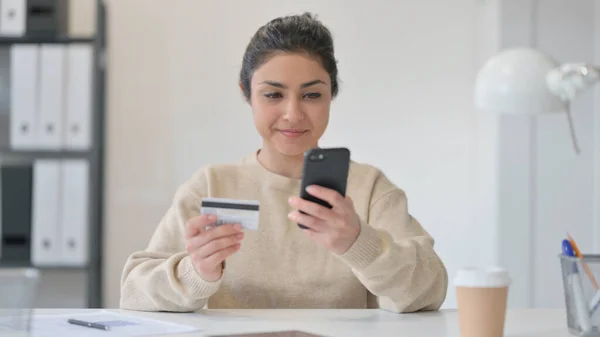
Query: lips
[292, 133]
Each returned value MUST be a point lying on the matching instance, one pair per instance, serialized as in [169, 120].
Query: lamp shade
[514, 82]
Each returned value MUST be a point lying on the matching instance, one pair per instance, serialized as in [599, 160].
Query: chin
[292, 150]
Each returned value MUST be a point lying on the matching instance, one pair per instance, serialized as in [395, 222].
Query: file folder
[15, 182]
[51, 98]
[23, 96]
[46, 217]
[74, 210]
[79, 96]
[13, 15]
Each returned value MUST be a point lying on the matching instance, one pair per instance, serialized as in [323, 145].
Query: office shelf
[28, 265]
[7, 40]
[42, 154]
[94, 156]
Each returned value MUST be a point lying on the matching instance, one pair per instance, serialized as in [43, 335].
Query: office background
[51, 145]
[490, 191]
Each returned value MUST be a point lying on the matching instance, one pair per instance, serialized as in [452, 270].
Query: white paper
[120, 325]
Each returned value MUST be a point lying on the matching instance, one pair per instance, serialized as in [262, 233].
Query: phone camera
[317, 157]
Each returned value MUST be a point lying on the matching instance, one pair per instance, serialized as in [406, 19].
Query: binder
[46, 217]
[47, 17]
[23, 96]
[74, 211]
[4, 98]
[51, 98]
[13, 15]
[16, 182]
[79, 96]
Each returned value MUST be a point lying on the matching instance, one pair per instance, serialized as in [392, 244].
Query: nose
[293, 111]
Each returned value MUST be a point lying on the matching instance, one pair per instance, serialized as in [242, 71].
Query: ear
[242, 90]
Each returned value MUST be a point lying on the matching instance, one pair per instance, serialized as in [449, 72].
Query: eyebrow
[283, 86]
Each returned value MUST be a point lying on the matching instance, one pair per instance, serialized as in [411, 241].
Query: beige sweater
[392, 265]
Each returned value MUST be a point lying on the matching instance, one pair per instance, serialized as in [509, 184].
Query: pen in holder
[576, 252]
[582, 299]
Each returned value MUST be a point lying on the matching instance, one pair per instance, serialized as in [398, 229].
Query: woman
[365, 252]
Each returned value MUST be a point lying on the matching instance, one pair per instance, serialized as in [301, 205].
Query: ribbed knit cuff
[192, 282]
[367, 247]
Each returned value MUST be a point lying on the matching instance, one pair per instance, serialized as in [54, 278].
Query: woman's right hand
[209, 247]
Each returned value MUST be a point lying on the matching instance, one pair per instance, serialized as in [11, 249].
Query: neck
[276, 162]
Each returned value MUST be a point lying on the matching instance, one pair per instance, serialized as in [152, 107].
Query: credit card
[232, 211]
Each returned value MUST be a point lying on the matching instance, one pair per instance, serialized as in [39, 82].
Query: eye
[273, 95]
[312, 95]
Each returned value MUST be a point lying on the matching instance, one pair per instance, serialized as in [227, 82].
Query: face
[290, 99]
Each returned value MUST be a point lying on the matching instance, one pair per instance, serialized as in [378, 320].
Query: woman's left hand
[336, 228]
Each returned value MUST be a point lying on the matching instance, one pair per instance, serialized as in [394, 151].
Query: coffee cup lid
[490, 277]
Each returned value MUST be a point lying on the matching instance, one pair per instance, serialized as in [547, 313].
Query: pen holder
[18, 290]
[582, 300]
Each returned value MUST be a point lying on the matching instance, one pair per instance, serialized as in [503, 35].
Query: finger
[218, 257]
[218, 244]
[333, 197]
[198, 224]
[198, 241]
[309, 221]
[312, 208]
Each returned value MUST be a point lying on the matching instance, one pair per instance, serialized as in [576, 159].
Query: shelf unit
[7, 40]
[94, 156]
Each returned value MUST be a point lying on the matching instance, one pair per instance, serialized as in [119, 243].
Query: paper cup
[482, 295]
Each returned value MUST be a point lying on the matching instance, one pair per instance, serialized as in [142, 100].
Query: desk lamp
[528, 81]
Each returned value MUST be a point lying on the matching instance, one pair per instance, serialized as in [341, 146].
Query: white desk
[351, 323]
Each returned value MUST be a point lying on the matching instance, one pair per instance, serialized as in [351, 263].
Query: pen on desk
[585, 266]
[88, 324]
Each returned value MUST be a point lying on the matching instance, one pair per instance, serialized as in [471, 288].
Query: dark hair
[297, 33]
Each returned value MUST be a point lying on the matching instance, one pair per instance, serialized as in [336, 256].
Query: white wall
[407, 70]
[596, 139]
[563, 181]
[540, 188]
[139, 177]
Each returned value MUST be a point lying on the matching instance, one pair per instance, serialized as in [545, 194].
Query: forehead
[291, 69]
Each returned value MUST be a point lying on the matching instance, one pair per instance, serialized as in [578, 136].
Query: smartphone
[327, 167]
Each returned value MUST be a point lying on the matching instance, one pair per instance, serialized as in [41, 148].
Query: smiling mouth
[290, 133]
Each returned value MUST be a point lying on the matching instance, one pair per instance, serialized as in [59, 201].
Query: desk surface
[349, 323]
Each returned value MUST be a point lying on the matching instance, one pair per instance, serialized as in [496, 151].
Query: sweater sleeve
[162, 277]
[394, 258]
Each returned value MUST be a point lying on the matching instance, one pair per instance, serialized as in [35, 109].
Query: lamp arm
[570, 79]
[567, 81]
